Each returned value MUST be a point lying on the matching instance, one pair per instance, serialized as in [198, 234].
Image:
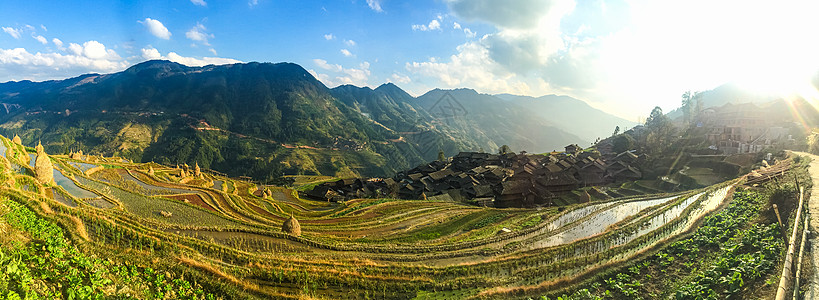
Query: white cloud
[15, 33]
[156, 28]
[324, 78]
[75, 49]
[350, 43]
[252, 3]
[433, 25]
[355, 76]
[469, 33]
[198, 62]
[19, 64]
[529, 31]
[375, 5]
[150, 53]
[199, 2]
[505, 14]
[94, 49]
[324, 65]
[213, 51]
[329, 36]
[518, 49]
[199, 34]
[88, 57]
[399, 78]
[470, 67]
[40, 39]
[57, 42]
[516, 58]
[91, 49]
[346, 53]
[43, 27]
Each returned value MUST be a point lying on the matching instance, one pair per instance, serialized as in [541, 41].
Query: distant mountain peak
[351, 87]
[389, 86]
[466, 92]
[393, 91]
[156, 64]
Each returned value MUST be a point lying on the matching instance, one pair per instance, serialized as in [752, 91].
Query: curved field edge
[260, 261]
[736, 253]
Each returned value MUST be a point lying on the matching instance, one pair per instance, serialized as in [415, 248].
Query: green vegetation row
[728, 256]
[48, 266]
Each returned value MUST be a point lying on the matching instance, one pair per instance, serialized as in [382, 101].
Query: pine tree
[503, 149]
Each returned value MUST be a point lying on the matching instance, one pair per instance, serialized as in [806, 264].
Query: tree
[623, 142]
[504, 149]
[616, 130]
[660, 132]
[441, 156]
[656, 119]
[691, 106]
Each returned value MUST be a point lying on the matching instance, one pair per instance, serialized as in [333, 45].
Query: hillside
[242, 118]
[103, 228]
[572, 115]
[727, 93]
[259, 119]
[490, 120]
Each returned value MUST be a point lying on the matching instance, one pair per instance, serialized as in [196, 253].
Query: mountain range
[572, 115]
[266, 119]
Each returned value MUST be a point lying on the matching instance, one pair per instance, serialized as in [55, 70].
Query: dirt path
[813, 210]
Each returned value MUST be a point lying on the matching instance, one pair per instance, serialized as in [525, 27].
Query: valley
[268, 120]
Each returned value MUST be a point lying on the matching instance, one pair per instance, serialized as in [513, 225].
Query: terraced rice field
[367, 248]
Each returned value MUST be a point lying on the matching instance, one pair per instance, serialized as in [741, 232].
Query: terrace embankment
[378, 248]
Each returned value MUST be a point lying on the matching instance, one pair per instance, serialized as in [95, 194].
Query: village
[495, 180]
[529, 180]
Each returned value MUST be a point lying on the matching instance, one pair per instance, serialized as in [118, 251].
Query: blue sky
[623, 56]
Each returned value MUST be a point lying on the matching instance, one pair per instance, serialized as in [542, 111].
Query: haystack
[42, 166]
[39, 147]
[291, 226]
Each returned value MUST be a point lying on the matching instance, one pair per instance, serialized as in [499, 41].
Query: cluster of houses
[500, 180]
[743, 128]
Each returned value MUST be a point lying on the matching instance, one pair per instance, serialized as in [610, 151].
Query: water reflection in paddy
[598, 223]
[60, 198]
[71, 187]
[14, 166]
[82, 166]
[574, 215]
[151, 189]
[711, 201]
